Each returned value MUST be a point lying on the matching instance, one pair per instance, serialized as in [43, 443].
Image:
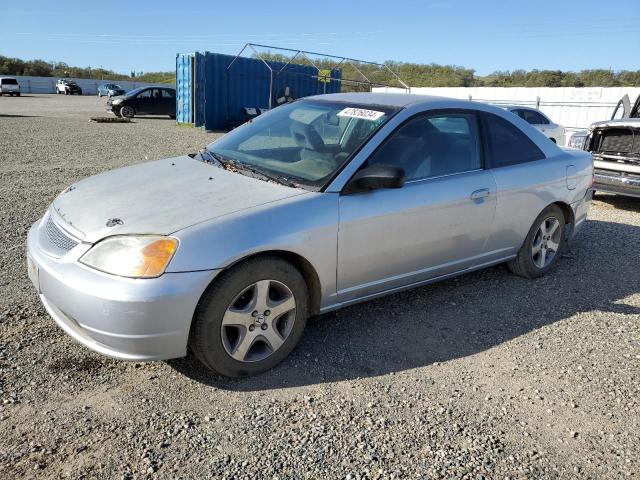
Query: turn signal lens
[144, 256]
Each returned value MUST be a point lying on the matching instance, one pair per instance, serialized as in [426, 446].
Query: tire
[529, 264]
[219, 344]
[172, 117]
[18, 94]
[127, 111]
[66, 92]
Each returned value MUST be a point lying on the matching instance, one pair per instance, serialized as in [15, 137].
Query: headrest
[307, 137]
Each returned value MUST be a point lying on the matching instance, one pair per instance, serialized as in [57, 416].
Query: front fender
[306, 225]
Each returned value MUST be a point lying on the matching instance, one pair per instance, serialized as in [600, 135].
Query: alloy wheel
[546, 242]
[127, 111]
[258, 321]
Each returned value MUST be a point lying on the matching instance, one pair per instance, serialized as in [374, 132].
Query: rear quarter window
[506, 144]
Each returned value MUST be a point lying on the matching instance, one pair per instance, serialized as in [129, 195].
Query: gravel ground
[484, 376]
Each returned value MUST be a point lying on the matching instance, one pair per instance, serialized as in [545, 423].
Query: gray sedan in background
[315, 205]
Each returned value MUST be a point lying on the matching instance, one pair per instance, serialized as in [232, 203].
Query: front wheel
[127, 111]
[543, 246]
[251, 318]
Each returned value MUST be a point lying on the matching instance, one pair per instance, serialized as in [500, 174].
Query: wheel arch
[304, 266]
[569, 217]
[567, 211]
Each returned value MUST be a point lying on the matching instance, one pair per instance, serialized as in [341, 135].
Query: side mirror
[375, 177]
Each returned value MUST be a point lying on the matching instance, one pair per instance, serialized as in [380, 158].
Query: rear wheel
[543, 246]
[251, 318]
[127, 111]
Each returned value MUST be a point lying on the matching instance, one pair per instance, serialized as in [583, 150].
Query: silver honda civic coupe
[315, 205]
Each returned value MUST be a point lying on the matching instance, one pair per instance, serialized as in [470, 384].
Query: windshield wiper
[213, 157]
[233, 164]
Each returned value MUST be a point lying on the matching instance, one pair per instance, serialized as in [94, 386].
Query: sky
[485, 35]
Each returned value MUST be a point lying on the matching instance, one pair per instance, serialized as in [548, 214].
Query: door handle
[480, 194]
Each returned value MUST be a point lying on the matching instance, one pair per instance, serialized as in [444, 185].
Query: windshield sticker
[361, 113]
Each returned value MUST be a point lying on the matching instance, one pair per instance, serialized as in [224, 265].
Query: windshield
[136, 91]
[306, 142]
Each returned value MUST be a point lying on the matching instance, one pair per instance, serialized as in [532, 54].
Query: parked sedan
[144, 101]
[313, 206]
[67, 87]
[110, 90]
[539, 120]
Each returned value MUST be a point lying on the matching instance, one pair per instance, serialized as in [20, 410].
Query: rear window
[9, 81]
[507, 144]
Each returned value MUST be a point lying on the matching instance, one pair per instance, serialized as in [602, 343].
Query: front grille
[57, 238]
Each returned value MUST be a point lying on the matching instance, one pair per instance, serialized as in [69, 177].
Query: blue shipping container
[184, 86]
[214, 91]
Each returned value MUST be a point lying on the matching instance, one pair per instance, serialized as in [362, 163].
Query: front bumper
[128, 319]
[113, 108]
[617, 182]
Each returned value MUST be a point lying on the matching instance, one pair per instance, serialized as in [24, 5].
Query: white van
[9, 86]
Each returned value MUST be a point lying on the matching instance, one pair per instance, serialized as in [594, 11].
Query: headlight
[577, 141]
[143, 256]
[117, 101]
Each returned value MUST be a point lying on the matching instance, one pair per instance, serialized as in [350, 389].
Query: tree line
[41, 68]
[413, 74]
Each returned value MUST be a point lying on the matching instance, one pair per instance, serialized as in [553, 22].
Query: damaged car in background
[313, 206]
[615, 146]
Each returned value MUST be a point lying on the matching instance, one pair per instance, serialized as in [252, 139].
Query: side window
[541, 119]
[520, 113]
[145, 94]
[507, 144]
[167, 94]
[433, 145]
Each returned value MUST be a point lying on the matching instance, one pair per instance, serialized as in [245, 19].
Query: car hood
[620, 122]
[160, 197]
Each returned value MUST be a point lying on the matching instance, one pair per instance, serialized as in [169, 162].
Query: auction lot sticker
[360, 113]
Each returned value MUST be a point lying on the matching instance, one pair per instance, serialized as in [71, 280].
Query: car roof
[386, 99]
[519, 107]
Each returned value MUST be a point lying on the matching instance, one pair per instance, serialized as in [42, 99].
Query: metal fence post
[538, 103]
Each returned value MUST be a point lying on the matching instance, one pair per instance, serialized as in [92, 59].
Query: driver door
[438, 223]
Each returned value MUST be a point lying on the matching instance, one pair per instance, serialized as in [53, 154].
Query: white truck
[9, 86]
